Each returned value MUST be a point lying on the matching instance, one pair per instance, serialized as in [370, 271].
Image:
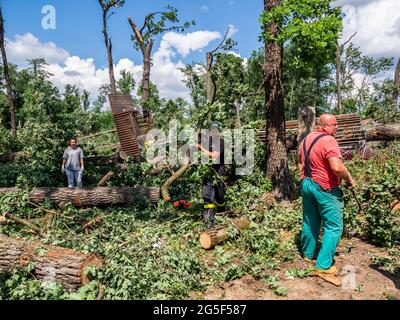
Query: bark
[65, 266]
[276, 157]
[95, 196]
[306, 122]
[146, 53]
[338, 87]
[14, 156]
[115, 159]
[397, 84]
[384, 132]
[171, 179]
[209, 81]
[212, 237]
[108, 43]
[7, 77]
[105, 179]
[91, 196]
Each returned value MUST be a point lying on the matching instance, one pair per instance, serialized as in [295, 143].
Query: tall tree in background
[396, 81]
[106, 6]
[7, 77]
[143, 39]
[312, 27]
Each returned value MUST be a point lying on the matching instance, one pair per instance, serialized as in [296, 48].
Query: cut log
[87, 197]
[108, 160]
[212, 237]
[14, 156]
[51, 263]
[95, 196]
[384, 132]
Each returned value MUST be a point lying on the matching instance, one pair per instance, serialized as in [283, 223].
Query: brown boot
[329, 275]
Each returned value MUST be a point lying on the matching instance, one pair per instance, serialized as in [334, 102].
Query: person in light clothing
[72, 164]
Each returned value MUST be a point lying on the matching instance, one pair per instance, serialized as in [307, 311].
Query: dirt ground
[361, 280]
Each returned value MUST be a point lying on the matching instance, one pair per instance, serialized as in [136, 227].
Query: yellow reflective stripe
[209, 206]
[220, 205]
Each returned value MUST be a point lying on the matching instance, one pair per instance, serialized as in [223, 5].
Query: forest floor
[355, 259]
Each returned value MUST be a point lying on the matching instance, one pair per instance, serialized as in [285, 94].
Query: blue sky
[79, 24]
[76, 53]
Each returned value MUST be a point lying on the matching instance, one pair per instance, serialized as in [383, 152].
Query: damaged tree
[7, 77]
[50, 263]
[143, 39]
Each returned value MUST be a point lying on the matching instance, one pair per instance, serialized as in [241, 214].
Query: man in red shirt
[322, 171]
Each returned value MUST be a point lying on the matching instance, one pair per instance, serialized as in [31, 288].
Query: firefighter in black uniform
[214, 189]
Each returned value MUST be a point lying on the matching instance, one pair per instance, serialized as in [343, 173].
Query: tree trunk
[276, 157]
[338, 87]
[95, 196]
[7, 78]
[237, 109]
[14, 156]
[212, 237]
[91, 196]
[108, 160]
[65, 266]
[397, 84]
[209, 81]
[385, 132]
[306, 122]
[108, 44]
[146, 71]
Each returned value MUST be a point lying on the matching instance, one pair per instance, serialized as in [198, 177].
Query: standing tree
[397, 86]
[7, 77]
[313, 27]
[143, 39]
[106, 6]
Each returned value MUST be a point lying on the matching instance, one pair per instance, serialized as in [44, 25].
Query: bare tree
[7, 77]
[397, 84]
[143, 38]
[106, 6]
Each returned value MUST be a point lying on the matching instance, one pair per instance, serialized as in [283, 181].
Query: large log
[86, 197]
[50, 263]
[14, 156]
[212, 237]
[383, 133]
[108, 160]
[95, 196]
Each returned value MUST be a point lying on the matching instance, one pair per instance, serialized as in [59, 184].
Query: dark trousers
[214, 199]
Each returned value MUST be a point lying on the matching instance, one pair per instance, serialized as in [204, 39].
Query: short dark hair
[73, 138]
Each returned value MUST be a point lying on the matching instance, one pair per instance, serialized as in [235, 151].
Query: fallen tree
[384, 132]
[51, 263]
[92, 196]
[210, 238]
[14, 156]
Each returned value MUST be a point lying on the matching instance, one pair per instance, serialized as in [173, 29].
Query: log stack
[51, 263]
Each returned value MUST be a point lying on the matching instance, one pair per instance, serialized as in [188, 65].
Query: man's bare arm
[338, 168]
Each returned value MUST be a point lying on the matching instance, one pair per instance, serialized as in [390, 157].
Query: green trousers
[324, 207]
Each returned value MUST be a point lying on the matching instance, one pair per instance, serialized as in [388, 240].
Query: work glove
[63, 169]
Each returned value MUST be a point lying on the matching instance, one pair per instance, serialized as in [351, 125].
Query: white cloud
[185, 43]
[17, 50]
[204, 8]
[377, 24]
[232, 30]
[83, 73]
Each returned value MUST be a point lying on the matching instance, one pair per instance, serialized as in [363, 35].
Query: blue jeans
[74, 176]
